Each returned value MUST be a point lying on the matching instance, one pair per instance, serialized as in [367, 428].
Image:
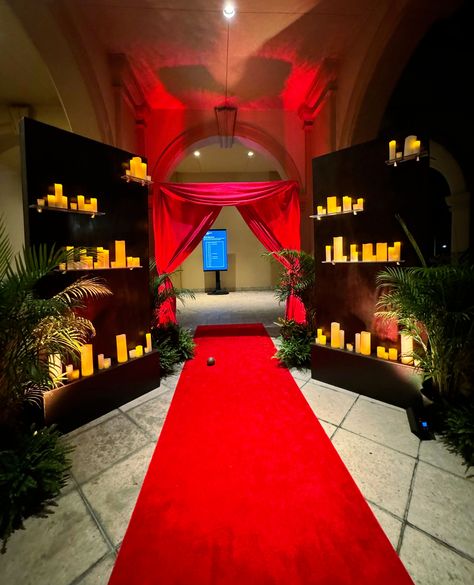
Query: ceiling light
[197, 154]
[250, 153]
[229, 11]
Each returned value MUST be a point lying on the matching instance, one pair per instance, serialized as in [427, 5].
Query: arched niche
[459, 199]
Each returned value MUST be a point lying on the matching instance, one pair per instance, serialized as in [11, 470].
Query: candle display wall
[68, 160]
[346, 289]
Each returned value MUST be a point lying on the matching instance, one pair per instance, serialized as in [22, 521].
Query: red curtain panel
[183, 212]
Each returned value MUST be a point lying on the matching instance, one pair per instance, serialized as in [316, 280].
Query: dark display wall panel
[93, 169]
[346, 292]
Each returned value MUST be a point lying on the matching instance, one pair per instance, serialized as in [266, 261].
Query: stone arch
[459, 200]
[200, 135]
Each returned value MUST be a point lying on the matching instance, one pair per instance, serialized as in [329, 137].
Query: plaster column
[459, 205]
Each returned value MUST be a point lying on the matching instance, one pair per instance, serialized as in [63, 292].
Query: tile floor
[417, 490]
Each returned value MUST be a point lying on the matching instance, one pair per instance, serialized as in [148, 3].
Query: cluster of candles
[363, 344]
[412, 146]
[348, 204]
[103, 363]
[123, 355]
[58, 200]
[102, 260]
[383, 252]
[137, 169]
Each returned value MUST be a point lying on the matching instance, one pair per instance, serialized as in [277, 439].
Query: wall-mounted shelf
[40, 209]
[362, 262]
[395, 161]
[132, 179]
[96, 269]
[352, 211]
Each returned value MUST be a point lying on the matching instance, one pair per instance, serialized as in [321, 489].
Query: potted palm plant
[175, 343]
[33, 460]
[296, 277]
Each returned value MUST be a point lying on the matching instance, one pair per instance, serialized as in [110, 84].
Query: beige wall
[248, 269]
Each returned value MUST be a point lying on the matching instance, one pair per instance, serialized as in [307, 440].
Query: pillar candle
[107, 363]
[381, 251]
[70, 257]
[58, 193]
[87, 362]
[122, 355]
[51, 201]
[69, 370]
[365, 343]
[354, 253]
[360, 204]
[87, 207]
[148, 343]
[409, 145]
[80, 202]
[319, 332]
[397, 251]
[335, 328]
[131, 354]
[129, 261]
[120, 255]
[416, 147]
[40, 202]
[105, 259]
[406, 349]
[347, 204]
[341, 338]
[93, 203]
[139, 351]
[62, 266]
[100, 361]
[328, 254]
[392, 149]
[332, 204]
[367, 252]
[73, 205]
[143, 170]
[75, 374]
[322, 340]
[357, 342]
[320, 210]
[392, 354]
[380, 351]
[338, 248]
[349, 347]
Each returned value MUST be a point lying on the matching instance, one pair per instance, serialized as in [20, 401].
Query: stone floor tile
[93, 423]
[390, 525]
[151, 415]
[144, 398]
[328, 427]
[99, 575]
[328, 405]
[436, 453]
[101, 446]
[442, 505]
[383, 475]
[113, 493]
[383, 424]
[53, 550]
[431, 563]
[301, 373]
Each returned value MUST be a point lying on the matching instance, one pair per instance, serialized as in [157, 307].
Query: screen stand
[218, 290]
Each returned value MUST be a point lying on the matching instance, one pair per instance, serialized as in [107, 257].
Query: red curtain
[183, 212]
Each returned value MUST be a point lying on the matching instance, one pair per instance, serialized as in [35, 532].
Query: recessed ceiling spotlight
[250, 153]
[197, 154]
[229, 11]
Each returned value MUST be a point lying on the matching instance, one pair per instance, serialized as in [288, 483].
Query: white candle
[409, 145]
[392, 148]
[335, 328]
[100, 361]
[357, 342]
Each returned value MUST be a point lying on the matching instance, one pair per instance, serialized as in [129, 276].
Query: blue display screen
[214, 250]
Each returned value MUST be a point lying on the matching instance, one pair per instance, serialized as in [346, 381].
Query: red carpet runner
[245, 488]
